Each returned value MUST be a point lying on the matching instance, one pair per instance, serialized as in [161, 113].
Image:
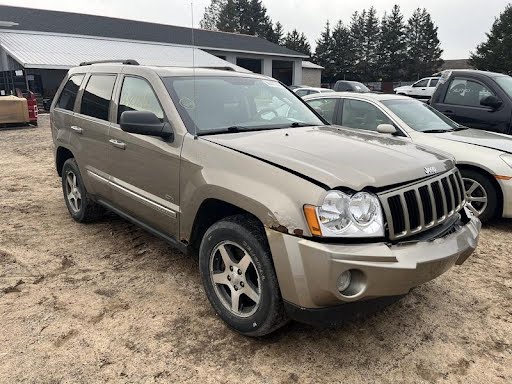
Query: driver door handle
[117, 143]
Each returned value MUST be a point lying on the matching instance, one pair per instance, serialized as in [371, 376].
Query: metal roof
[54, 51]
[39, 20]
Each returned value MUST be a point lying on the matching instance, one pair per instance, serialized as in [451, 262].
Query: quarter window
[97, 95]
[362, 115]
[68, 96]
[466, 92]
[138, 95]
[325, 107]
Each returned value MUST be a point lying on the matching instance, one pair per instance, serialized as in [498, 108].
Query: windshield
[210, 105]
[505, 82]
[360, 87]
[420, 116]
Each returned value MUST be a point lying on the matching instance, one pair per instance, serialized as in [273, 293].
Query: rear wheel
[80, 206]
[481, 194]
[239, 277]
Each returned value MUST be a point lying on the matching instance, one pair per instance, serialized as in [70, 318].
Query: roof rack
[126, 62]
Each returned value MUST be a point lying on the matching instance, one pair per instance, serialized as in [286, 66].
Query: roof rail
[126, 62]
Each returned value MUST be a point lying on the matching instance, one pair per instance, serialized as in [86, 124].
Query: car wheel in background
[80, 205]
[239, 278]
[481, 194]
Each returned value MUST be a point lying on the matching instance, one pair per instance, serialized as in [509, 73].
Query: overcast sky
[462, 23]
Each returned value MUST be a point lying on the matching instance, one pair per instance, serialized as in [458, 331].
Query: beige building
[311, 74]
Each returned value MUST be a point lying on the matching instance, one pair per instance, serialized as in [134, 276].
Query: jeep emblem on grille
[430, 170]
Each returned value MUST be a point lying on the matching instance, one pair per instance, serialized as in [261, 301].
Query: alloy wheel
[73, 192]
[235, 279]
[476, 195]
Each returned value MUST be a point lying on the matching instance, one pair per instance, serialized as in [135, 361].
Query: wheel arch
[484, 172]
[62, 154]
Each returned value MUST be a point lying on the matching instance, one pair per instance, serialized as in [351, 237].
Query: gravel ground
[107, 302]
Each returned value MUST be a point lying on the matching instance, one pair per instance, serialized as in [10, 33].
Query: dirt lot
[108, 302]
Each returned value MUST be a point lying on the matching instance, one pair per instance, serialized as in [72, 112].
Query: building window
[253, 65]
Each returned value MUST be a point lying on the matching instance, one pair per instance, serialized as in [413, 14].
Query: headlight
[507, 159]
[343, 215]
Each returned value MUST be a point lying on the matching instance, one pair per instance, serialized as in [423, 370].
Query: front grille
[417, 208]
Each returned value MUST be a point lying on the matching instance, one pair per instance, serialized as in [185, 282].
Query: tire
[479, 187]
[241, 242]
[80, 206]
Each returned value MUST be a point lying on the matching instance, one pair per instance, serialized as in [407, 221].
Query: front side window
[302, 92]
[214, 104]
[97, 95]
[466, 92]
[68, 96]
[421, 84]
[325, 107]
[138, 95]
[420, 116]
[362, 115]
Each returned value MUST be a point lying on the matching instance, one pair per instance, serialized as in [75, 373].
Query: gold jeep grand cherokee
[290, 217]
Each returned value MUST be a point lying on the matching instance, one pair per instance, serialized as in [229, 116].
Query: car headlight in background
[507, 158]
[344, 215]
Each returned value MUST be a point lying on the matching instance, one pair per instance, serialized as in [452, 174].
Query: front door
[144, 170]
[462, 104]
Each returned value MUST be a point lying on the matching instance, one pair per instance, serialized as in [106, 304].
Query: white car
[484, 158]
[301, 92]
[422, 89]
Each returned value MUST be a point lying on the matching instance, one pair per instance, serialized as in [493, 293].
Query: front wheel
[239, 278]
[481, 194]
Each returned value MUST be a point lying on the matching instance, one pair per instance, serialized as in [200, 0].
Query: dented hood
[480, 138]
[339, 157]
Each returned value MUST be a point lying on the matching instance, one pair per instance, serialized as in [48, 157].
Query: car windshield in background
[210, 105]
[419, 116]
[360, 87]
[505, 82]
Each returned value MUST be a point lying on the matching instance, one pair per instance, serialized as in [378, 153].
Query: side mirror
[491, 101]
[145, 123]
[387, 129]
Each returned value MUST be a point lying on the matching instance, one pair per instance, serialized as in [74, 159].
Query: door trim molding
[143, 197]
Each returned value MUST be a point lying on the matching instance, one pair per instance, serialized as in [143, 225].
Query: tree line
[369, 48]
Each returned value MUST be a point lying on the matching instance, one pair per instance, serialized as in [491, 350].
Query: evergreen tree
[229, 18]
[370, 46]
[297, 42]
[212, 14]
[277, 34]
[342, 52]
[392, 46]
[357, 36]
[495, 54]
[423, 45]
[324, 54]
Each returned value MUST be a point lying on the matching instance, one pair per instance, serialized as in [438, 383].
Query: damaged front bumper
[308, 271]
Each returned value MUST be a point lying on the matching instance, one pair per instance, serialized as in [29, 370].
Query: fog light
[344, 281]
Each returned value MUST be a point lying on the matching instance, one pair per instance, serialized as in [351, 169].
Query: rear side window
[68, 96]
[97, 95]
[138, 95]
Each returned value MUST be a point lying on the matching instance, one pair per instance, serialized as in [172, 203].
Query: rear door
[461, 102]
[89, 132]
[144, 170]
[62, 116]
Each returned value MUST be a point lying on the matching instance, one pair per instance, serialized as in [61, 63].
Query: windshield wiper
[460, 128]
[438, 130]
[232, 129]
[297, 125]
